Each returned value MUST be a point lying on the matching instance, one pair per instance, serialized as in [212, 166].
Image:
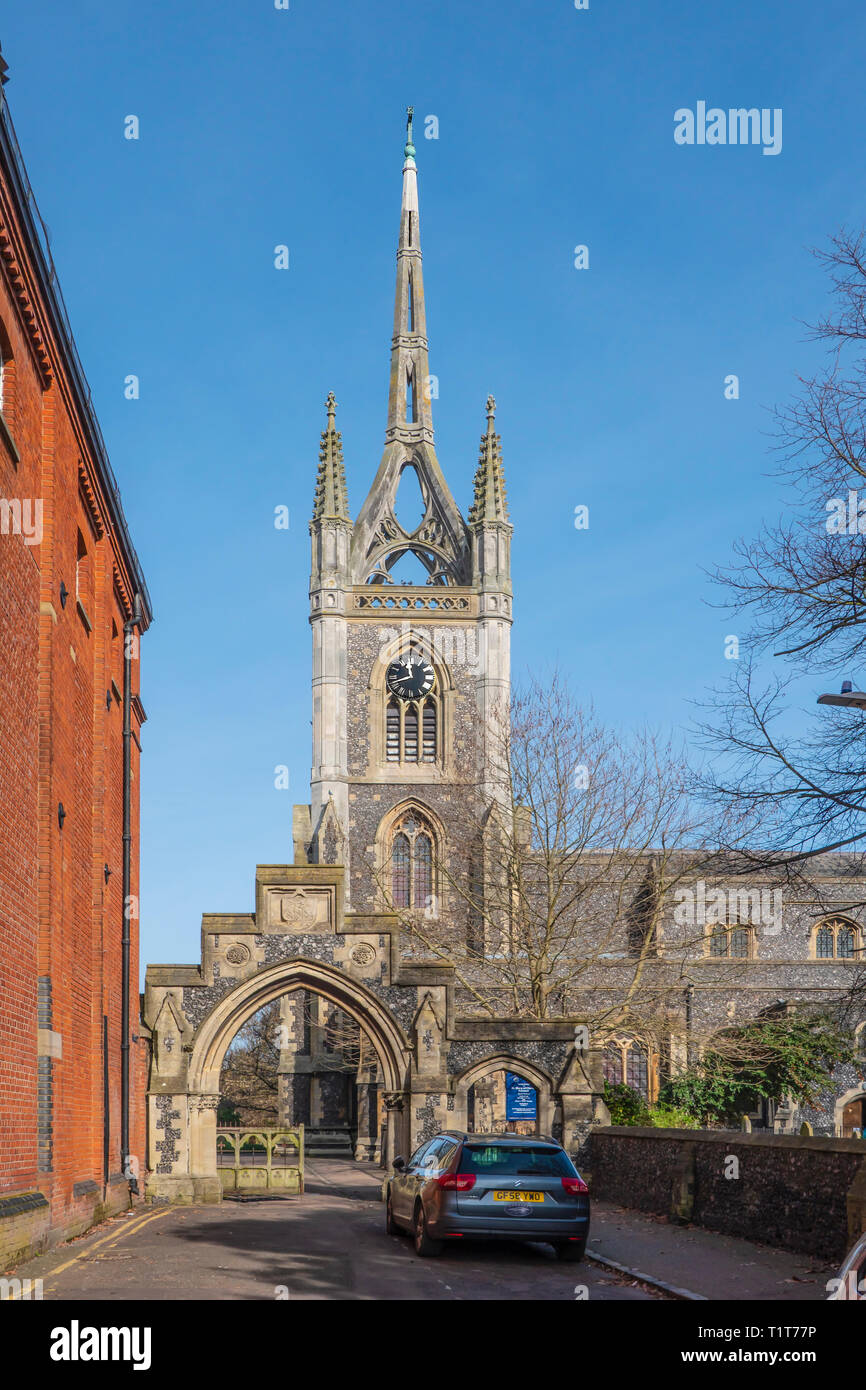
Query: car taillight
[456, 1182]
[574, 1185]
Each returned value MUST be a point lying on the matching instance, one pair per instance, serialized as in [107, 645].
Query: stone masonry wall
[791, 1191]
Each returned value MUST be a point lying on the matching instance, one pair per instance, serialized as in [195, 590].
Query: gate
[261, 1160]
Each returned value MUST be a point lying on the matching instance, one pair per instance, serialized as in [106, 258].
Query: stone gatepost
[581, 1099]
[202, 1148]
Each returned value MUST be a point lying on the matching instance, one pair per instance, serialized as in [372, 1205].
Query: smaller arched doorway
[504, 1095]
[851, 1114]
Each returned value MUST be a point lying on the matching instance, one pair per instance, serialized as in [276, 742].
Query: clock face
[410, 677]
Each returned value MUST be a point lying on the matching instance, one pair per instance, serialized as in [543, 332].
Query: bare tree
[550, 901]
[249, 1080]
[802, 583]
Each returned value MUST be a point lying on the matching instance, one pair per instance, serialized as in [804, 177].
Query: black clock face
[410, 677]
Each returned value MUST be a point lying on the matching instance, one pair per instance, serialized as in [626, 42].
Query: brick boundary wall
[800, 1193]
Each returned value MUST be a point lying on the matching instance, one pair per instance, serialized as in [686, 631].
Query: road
[328, 1244]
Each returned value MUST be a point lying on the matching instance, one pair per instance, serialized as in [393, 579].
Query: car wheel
[423, 1243]
[390, 1224]
[571, 1252]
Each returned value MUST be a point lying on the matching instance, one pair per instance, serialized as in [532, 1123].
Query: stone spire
[409, 413]
[490, 502]
[440, 541]
[331, 502]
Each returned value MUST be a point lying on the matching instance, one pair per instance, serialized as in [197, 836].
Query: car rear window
[513, 1161]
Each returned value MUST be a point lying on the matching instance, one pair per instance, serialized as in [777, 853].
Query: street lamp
[856, 699]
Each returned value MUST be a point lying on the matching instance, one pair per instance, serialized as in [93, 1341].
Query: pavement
[703, 1262]
[331, 1244]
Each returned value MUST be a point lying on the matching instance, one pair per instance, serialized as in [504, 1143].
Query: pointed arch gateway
[216, 1032]
[333, 984]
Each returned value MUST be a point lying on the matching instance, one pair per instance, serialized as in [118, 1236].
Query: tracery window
[731, 942]
[412, 881]
[627, 1061]
[836, 940]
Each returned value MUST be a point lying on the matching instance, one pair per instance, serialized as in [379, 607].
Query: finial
[332, 407]
[491, 409]
[409, 151]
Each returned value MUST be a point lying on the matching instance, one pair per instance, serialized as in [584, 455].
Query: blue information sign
[521, 1098]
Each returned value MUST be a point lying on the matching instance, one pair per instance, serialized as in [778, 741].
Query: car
[850, 1285]
[462, 1186]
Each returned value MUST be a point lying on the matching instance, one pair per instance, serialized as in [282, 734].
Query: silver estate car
[489, 1187]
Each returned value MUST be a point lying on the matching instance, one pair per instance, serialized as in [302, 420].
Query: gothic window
[836, 940]
[410, 308]
[412, 884]
[629, 1061]
[731, 942]
[410, 397]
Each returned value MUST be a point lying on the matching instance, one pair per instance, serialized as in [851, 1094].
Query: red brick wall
[60, 920]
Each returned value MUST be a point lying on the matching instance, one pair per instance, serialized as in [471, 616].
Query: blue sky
[261, 127]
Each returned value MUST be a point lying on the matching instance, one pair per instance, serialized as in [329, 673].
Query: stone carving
[299, 910]
[238, 954]
[363, 954]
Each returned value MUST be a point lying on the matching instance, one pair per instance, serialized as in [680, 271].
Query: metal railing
[261, 1160]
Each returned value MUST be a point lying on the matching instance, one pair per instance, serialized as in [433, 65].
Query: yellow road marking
[112, 1238]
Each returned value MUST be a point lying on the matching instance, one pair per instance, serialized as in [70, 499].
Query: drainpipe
[690, 994]
[129, 628]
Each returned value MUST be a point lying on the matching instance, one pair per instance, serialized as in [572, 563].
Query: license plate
[518, 1196]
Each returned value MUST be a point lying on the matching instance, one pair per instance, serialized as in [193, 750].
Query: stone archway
[503, 1061]
[301, 936]
[200, 1181]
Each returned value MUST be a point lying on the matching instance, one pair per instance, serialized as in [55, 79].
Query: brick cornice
[14, 263]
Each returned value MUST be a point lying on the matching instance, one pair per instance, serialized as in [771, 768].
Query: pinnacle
[331, 501]
[489, 503]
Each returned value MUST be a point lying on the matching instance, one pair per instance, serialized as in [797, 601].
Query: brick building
[72, 603]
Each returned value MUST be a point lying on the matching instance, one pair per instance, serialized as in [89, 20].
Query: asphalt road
[328, 1244]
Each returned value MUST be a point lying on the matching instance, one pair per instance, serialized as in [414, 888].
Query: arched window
[729, 942]
[412, 867]
[631, 1061]
[413, 727]
[836, 940]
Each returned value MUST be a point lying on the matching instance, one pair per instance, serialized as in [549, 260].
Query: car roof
[519, 1139]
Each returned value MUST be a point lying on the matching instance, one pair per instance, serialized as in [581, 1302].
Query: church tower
[411, 631]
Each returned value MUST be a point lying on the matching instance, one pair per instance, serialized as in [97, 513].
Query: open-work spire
[440, 540]
[409, 412]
